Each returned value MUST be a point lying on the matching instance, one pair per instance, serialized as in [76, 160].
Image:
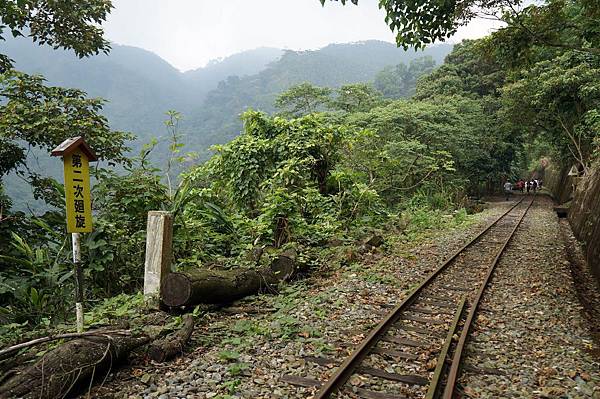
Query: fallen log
[167, 348]
[285, 265]
[215, 286]
[11, 349]
[70, 366]
[225, 286]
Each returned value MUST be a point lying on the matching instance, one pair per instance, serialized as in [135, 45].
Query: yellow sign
[77, 192]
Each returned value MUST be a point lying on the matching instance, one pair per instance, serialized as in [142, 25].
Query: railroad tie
[449, 300]
[405, 341]
[300, 381]
[393, 353]
[411, 379]
[456, 288]
[419, 309]
[419, 330]
[423, 320]
[367, 394]
[438, 304]
[322, 361]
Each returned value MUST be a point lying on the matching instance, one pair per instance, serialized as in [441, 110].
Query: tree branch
[580, 158]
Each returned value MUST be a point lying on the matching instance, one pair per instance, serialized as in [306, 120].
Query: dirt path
[244, 355]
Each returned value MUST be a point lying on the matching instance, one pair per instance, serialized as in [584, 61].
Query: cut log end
[176, 289]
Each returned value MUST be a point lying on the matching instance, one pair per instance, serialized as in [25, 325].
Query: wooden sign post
[76, 156]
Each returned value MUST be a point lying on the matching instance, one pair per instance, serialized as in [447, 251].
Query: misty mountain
[140, 87]
[245, 63]
[217, 119]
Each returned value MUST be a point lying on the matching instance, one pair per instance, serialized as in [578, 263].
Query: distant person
[527, 186]
[507, 189]
[521, 185]
[534, 186]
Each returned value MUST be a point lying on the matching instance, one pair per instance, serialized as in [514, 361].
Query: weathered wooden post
[159, 238]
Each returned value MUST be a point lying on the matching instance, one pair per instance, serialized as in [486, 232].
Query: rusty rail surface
[458, 351]
[352, 364]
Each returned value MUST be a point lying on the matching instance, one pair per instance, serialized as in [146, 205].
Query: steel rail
[441, 360]
[347, 368]
[460, 346]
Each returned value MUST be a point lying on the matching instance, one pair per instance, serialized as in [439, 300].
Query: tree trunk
[219, 286]
[215, 286]
[172, 345]
[71, 366]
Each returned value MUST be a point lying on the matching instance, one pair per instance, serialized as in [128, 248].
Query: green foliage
[64, 24]
[468, 71]
[438, 144]
[400, 81]
[546, 30]
[39, 117]
[238, 369]
[302, 99]
[35, 274]
[356, 98]
[558, 99]
[274, 177]
[44, 116]
[420, 23]
[118, 307]
[229, 356]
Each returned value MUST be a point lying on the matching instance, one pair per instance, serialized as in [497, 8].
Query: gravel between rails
[244, 355]
[531, 338]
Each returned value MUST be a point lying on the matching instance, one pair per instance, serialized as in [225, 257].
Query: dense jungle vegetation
[398, 154]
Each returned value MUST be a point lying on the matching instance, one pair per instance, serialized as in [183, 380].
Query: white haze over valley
[190, 33]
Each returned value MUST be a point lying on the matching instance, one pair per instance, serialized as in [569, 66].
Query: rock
[375, 241]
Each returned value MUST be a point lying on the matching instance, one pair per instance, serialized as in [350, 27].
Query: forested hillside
[217, 119]
[139, 88]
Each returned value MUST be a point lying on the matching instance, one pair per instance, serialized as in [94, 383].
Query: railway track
[416, 350]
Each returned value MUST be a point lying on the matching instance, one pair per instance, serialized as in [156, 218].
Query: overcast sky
[189, 33]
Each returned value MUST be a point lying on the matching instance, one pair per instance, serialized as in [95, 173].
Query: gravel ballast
[531, 338]
[245, 355]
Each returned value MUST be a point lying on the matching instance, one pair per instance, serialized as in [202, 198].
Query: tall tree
[302, 99]
[356, 98]
[558, 100]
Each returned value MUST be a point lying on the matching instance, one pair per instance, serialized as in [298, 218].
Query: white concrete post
[159, 237]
